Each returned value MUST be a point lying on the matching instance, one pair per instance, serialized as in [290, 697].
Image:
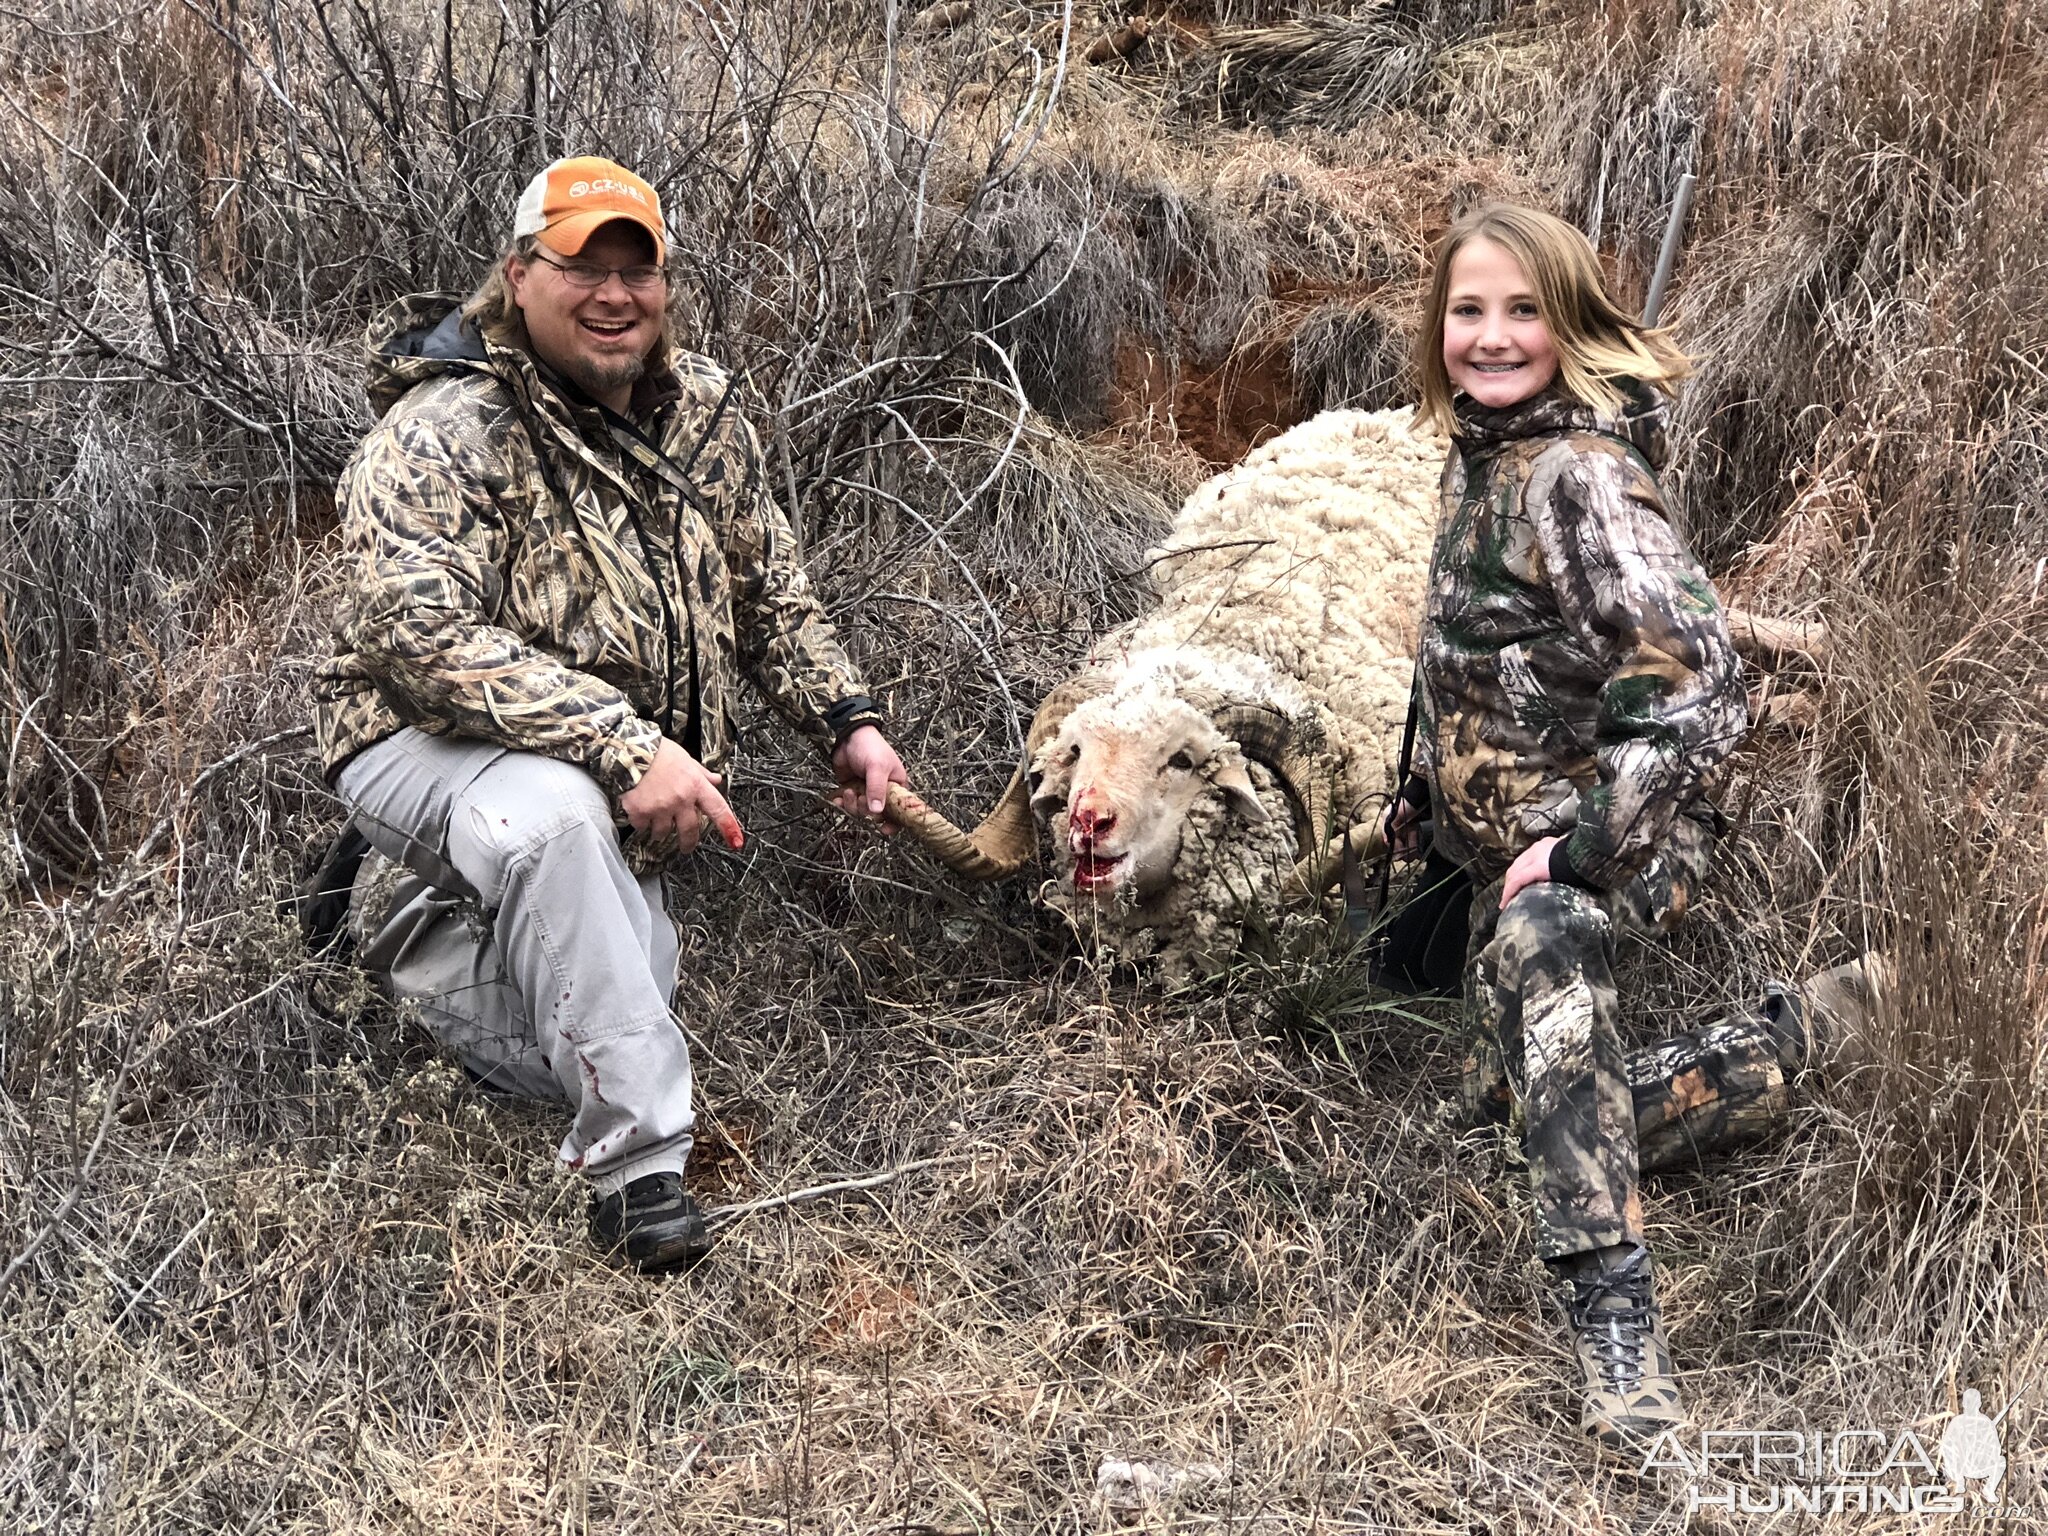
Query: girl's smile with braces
[1496, 347]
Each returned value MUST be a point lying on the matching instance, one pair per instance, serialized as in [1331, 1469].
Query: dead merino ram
[1216, 756]
[1207, 748]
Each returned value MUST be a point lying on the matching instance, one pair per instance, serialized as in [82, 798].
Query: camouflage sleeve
[1673, 705]
[785, 641]
[427, 538]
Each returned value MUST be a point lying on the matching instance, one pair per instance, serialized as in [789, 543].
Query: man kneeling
[563, 549]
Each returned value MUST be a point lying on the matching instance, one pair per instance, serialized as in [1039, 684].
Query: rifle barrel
[1667, 258]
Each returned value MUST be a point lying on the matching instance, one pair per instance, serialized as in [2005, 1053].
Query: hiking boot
[652, 1223]
[1618, 1337]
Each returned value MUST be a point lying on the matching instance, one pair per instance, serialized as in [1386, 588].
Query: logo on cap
[571, 198]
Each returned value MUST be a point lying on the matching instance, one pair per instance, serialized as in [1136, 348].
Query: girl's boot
[1630, 1396]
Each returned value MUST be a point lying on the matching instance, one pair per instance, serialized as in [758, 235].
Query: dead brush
[1310, 981]
[270, 1264]
[1324, 72]
[1951, 840]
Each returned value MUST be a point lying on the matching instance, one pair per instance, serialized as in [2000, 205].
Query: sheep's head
[1125, 775]
[1116, 785]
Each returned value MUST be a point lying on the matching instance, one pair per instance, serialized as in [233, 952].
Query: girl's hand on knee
[1530, 868]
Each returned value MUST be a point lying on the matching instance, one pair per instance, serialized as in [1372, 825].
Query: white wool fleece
[1293, 580]
[1309, 557]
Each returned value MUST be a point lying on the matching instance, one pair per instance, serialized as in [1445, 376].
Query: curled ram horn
[1007, 836]
[1292, 747]
[1296, 749]
[1321, 850]
[995, 850]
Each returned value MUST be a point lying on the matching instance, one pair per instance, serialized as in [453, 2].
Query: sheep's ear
[1048, 780]
[1047, 791]
[1235, 782]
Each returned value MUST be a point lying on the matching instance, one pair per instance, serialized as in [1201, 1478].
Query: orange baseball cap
[567, 202]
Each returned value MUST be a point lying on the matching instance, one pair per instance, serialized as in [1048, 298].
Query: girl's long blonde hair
[1597, 342]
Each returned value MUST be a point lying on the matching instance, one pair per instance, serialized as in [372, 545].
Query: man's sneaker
[1618, 1336]
[652, 1223]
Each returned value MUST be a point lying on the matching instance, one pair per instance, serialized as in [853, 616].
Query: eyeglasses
[588, 274]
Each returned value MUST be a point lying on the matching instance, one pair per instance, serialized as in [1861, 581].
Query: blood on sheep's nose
[1090, 824]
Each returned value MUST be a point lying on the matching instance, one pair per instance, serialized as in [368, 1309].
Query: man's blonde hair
[491, 309]
[1596, 341]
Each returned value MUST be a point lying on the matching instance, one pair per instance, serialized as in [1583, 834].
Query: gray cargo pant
[496, 898]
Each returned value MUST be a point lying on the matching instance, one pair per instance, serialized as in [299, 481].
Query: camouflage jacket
[1576, 673]
[497, 586]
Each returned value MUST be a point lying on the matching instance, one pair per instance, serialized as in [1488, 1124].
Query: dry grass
[267, 1265]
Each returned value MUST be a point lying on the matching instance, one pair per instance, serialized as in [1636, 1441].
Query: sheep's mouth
[1095, 870]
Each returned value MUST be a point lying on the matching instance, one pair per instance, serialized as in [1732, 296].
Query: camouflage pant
[1545, 1048]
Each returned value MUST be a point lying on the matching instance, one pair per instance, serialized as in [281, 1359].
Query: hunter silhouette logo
[1863, 1469]
[1970, 1449]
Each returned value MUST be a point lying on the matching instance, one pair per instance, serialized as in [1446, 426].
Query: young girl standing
[1576, 685]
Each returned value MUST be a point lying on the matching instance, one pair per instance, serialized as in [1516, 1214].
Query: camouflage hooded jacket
[1576, 673]
[500, 587]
